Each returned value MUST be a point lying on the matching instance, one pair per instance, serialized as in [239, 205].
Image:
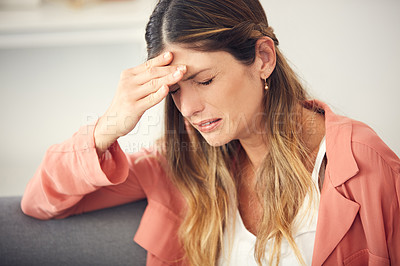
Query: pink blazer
[359, 214]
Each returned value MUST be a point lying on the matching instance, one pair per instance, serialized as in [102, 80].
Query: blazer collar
[336, 213]
[338, 131]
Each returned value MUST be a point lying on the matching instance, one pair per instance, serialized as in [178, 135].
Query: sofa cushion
[103, 237]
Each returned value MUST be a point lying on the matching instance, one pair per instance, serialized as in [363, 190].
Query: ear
[265, 57]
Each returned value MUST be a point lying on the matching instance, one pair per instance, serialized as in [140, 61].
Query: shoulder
[377, 167]
[369, 148]
[357, 156]
[346, 137]
[356, 152]
[376, 181]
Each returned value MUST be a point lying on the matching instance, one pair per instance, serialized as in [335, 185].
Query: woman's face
[218, 95]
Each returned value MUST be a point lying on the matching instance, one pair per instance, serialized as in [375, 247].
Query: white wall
[347, 51]
[48, 93]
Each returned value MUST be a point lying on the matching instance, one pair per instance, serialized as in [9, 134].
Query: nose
[189, 102]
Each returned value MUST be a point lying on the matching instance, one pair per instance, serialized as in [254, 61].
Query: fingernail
[167, 55]
[177, 73]
[182, 68]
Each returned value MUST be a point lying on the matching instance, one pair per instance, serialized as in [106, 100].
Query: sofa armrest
[103, 237]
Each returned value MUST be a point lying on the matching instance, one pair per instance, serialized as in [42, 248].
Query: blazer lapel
[336, 213]
[335, 217]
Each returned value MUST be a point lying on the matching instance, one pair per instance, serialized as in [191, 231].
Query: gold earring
[266, 85]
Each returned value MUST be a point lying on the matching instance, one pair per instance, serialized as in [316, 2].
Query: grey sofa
[102, 237]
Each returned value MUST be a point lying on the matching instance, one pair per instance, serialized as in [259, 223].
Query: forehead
[195, 59]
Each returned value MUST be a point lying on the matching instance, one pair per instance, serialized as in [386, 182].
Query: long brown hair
[203, 173]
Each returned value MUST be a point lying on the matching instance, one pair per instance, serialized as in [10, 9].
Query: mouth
[208, 125]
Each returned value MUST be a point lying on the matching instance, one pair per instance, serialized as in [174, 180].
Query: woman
[249, 171]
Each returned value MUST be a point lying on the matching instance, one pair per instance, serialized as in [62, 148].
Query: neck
[256, 149]
[313, 130]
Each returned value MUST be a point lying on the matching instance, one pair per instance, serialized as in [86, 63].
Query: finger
[154, 84]
[156, 72]
[161, 60]
[153, 98]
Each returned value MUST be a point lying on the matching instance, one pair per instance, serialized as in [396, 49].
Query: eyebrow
[195, 74]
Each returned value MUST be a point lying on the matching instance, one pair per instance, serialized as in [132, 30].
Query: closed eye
[205, 83]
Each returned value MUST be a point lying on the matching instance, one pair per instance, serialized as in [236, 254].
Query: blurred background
[60, 63]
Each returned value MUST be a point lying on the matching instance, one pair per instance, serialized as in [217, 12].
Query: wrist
[104, 136]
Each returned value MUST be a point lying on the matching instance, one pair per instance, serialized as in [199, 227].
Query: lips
[208, 125]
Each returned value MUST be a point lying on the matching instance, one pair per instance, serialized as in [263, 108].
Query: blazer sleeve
[394, 247]
[71, 179]
[378, 192]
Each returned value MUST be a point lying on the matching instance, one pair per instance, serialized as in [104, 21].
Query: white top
[242, 253]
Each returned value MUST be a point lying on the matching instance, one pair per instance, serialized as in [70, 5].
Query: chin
[217, 140]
